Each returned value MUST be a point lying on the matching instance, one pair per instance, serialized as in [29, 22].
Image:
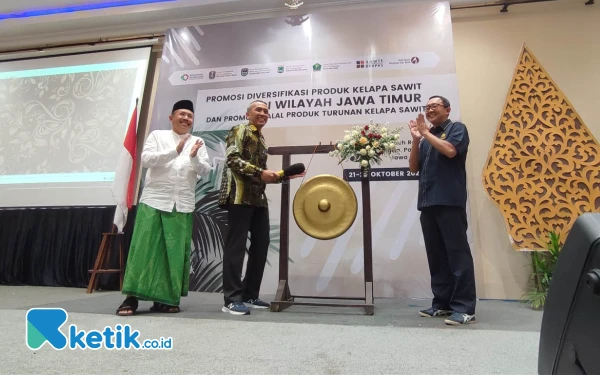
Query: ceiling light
[293, 4]
[77, 8]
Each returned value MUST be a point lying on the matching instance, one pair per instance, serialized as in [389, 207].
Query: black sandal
[163, 308]
[130, 304]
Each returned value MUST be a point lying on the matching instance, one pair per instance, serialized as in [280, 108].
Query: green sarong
[158, 264]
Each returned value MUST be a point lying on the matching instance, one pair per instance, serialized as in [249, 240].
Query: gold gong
[325, 207]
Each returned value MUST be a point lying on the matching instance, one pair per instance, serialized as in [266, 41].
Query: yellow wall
[563, 36]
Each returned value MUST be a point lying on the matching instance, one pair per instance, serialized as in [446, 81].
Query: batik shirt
[246, 158]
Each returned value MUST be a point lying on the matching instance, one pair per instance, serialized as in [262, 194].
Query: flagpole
[139, 182]
[140, 169]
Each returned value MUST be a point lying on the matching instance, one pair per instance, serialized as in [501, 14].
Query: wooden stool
[104, 252]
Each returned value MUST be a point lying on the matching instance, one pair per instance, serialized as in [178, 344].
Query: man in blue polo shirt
[439, 154]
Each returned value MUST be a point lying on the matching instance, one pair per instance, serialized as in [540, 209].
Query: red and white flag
[124, 182]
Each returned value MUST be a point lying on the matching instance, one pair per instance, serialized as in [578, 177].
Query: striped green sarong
[158, 264]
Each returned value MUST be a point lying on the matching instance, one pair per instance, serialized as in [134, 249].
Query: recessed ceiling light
[294, 4]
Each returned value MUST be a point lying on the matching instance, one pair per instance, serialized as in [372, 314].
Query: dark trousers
[450, 260]
[243, 220]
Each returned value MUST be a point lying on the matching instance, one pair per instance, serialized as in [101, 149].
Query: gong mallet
[292, 170]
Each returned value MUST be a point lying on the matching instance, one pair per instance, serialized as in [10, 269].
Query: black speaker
[570, 332]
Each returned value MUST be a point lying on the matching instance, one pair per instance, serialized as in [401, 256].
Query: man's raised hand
[195, 148]
[414, 130]
[182, 143]
[422, 126]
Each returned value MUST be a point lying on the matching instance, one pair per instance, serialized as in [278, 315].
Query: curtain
[57, 246]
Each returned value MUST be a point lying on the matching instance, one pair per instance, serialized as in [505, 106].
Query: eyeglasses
[433, 106]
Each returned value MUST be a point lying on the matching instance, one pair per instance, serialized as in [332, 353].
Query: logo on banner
[280, 69]
[376, 63]
[414, 60]
[185, 77]
[212, 74]
[244, 72]
[43, 325]
[316, 67]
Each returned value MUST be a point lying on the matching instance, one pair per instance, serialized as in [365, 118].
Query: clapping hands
[182, 143]
[418, 128]
[195, 148]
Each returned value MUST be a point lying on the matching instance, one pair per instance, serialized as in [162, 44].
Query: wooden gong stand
[284, 298]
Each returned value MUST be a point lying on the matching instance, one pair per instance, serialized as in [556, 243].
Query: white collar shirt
[171, 177]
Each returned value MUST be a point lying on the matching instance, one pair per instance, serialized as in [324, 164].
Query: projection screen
[63, 120]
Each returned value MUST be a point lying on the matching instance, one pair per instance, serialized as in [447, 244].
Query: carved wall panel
[543, 168]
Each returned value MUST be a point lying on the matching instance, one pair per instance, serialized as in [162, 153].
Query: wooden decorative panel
[543, 168]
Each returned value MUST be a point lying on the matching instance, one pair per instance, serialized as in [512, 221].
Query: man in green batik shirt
[243, 195]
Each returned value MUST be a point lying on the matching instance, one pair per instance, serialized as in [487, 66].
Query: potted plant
[542, 264]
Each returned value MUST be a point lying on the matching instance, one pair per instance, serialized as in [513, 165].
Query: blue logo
[43, 325]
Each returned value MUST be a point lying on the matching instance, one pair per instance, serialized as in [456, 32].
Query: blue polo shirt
[443, 180]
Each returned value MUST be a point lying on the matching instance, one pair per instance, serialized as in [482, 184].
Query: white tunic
[171, 177]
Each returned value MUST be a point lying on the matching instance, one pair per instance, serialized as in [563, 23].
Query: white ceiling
[142, 19]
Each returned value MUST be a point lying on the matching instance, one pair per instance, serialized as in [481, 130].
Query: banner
[320, 74]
